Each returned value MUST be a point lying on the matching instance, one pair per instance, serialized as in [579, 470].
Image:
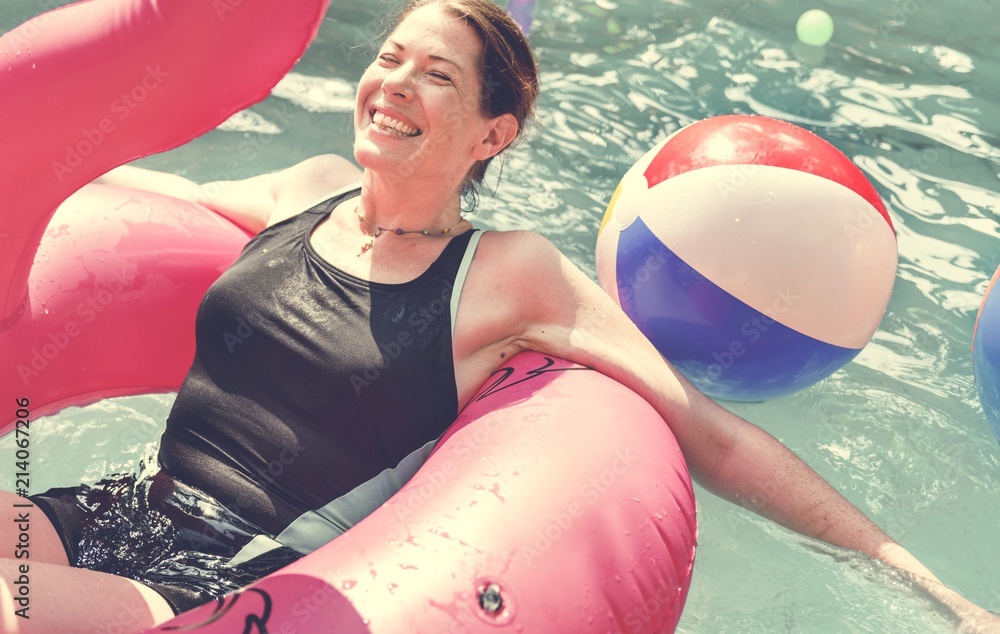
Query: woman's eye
[390, 59]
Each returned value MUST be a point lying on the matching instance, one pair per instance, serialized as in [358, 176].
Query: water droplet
[350, 583]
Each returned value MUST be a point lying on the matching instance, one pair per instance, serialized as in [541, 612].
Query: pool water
[908, 89]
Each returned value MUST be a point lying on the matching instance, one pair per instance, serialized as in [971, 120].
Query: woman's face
[418, 104]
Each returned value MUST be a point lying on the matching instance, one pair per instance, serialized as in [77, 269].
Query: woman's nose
[399, 81]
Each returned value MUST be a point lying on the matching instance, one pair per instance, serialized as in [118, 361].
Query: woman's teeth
[389, 124]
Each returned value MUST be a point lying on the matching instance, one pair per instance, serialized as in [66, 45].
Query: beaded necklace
[378, 230]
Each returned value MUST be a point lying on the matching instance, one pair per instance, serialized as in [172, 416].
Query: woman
[322, 290]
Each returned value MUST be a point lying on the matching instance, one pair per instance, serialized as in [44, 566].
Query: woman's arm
[565, 314]
[252, 203]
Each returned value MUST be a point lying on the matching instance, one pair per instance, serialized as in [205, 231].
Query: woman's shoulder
[303, 184]
[507, 272]
[513, 247]
[511, 267]
[328, 169]
[520, 253]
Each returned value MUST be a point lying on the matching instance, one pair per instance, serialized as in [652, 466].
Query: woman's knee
[13, 609]
[47, 598]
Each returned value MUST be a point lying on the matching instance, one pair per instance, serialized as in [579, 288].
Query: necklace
[378, 230]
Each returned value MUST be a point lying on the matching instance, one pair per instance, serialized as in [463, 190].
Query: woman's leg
[40, 592]
[58, 598]
[27, 534]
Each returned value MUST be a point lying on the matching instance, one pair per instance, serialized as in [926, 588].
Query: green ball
[815, 27]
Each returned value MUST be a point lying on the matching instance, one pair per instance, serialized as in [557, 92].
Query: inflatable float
[986, 353]
[557, 502]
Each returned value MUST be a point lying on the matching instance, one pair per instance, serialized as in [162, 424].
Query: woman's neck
[394, 202]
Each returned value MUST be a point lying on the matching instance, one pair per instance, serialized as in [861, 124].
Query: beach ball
[986, 354]
[755, 256]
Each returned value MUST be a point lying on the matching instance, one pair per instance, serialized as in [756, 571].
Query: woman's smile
[389, 123]
[392, 123]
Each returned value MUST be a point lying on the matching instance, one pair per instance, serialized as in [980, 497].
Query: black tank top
[309, 384]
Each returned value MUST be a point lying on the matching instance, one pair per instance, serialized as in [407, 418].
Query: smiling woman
[484, 71]
[334, 275]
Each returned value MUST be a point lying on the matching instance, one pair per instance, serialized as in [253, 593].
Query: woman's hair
[507, 66]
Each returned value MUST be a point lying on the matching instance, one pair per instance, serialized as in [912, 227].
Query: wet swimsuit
[313, 396]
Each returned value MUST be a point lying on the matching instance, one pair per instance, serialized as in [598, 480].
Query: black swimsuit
[314, 395]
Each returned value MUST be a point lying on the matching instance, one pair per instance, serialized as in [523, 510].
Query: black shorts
[160, 532]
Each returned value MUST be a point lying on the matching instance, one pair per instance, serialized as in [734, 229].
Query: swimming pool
[907, 89]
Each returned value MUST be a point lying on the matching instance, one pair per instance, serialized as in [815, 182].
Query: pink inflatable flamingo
[558, 501]
[86, 88]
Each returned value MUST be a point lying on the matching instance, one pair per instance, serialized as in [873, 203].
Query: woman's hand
[969, 617]
[565, 314]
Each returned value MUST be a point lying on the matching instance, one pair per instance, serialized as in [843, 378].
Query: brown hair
[507, 66]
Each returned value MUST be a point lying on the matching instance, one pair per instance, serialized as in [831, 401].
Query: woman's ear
[499, 134]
